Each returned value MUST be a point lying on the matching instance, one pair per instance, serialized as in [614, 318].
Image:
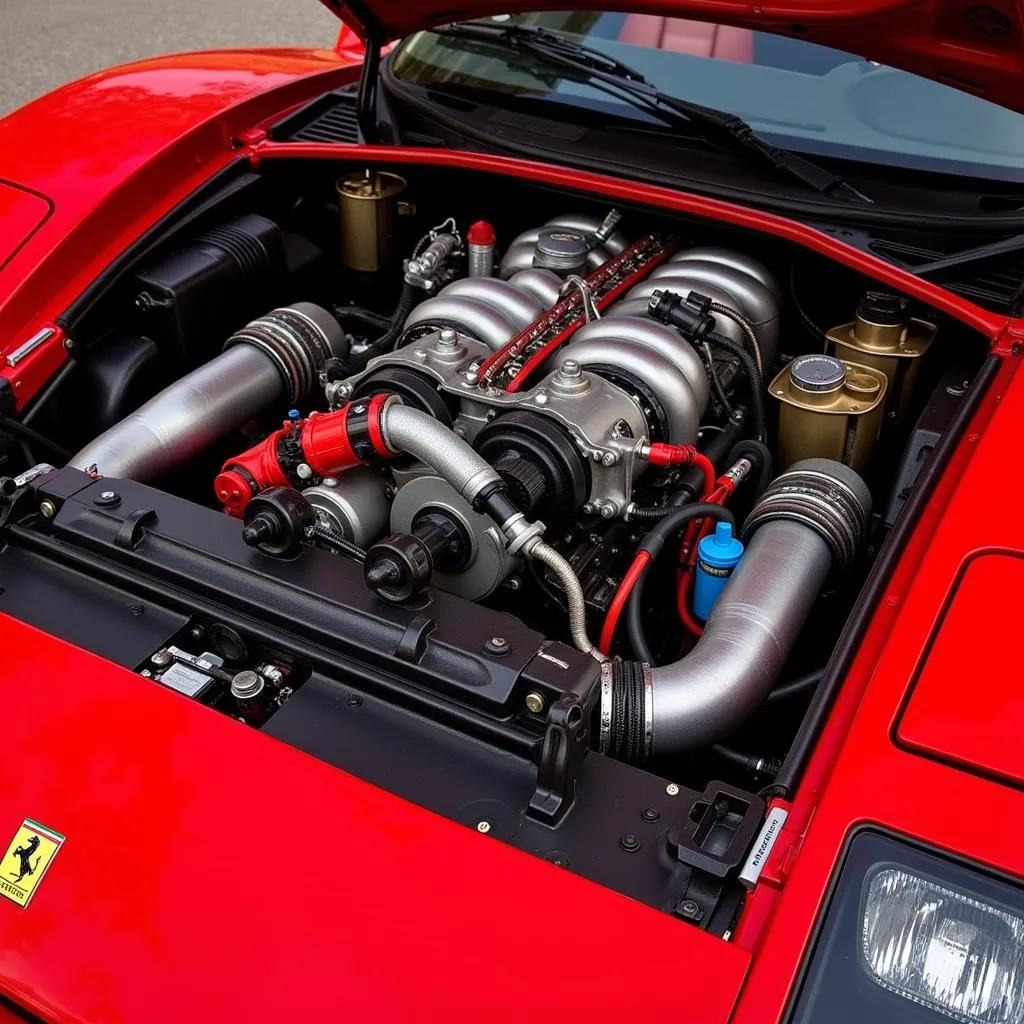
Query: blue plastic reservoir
[717, 556]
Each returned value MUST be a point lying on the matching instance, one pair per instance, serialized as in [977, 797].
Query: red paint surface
[967, 703]
[115, 151]
[21, 213]
[939, 39]
[396, 914]
[857, 774]
[211, 873]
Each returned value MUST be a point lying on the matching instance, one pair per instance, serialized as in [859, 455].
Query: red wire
[611, 620]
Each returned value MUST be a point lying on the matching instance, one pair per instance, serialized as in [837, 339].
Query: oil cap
[817, 373]
[717, 555]
[882, 309]
[562, 250]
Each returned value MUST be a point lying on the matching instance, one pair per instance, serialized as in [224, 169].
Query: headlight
[911, 936]
[943, 949]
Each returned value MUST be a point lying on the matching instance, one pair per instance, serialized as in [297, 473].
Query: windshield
[795, 94]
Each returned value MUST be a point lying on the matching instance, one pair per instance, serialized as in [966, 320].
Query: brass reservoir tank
[369, 205]
[831, 409]
[883, 336]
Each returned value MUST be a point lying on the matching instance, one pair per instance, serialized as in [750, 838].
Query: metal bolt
[419, 354]
[483, 826]
[146, 674]
[672, 789]
[650, 814]
[107, 499]
[607, 509]
[570, 369]
[48, 509]
[197, 633]
[689, 909]
[136, 609]
[513, 583]
[630, 842]
[344, 390]
[609, 459]
[534, 702]
[447, 338]
[302, 471]
[541, 398]
[588, 509]
[498, 641]
[162, 658]
[354, 701]
[330, 481]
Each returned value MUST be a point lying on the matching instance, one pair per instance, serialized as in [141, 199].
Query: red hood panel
[197, 849]
[21, 213]
[978, 48]
[963, 708]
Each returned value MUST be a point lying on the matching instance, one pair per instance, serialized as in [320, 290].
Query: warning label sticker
[29, 854]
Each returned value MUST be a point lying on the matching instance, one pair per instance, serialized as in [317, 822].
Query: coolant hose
[276, 358]
[810, 518]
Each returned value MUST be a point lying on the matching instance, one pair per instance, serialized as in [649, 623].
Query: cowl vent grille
[329, 118]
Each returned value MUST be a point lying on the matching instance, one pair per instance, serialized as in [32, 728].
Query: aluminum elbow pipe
[275, 358]
[811, 518]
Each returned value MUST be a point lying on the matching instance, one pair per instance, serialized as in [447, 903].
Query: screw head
[672, 789]
[541, 398]
[689, 909]
[650, 814]
[447, 338]
[107, 499]
[302, 471]
[161, 659]
[630, 842]
[136, 609]
[483, 826]
[497, 645]
[534, 702]
[607, 510]
[608, 459]
[47, 508]
[570, 369]
[354, 701]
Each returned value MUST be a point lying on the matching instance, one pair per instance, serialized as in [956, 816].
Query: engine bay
[539, 510]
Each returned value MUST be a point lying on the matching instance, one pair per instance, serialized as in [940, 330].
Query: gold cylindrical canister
[884, 337]
[831, 409]
[368, 202]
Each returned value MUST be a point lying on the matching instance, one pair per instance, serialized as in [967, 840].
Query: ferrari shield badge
[28, 855]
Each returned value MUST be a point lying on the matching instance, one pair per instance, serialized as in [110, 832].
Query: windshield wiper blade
[595, 66]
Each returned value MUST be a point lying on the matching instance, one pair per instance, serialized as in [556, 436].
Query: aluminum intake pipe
[811, 518]
[276, 358]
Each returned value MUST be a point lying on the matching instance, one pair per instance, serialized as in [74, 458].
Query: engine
[500, 497]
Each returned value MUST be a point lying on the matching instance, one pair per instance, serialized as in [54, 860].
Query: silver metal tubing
[520, 305]
[273, 359]
[806, 520]
[658, 338]
[542, 552]
[734, 259]
[478, 319]
[542, 284]
[418, 434]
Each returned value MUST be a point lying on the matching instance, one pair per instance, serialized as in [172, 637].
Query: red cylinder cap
[481, 233]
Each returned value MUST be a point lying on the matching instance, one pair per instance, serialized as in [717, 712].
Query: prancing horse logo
[24, 854]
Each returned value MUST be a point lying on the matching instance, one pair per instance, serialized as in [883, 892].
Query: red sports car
[523, 526]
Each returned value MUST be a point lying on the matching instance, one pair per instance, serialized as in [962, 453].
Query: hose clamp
[605, 738]
[648, 710]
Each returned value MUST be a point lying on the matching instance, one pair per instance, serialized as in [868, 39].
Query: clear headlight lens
[942, 949]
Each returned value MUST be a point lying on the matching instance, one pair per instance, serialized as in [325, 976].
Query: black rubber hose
[796, 687]
[340, 544]
[760, 455]
[387, 340]
[365, 317]
[20, 431]
[757, 409]
[653, 543]
[645, 516]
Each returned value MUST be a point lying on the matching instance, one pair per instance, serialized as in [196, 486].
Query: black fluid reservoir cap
[883, 309]
[817, 373]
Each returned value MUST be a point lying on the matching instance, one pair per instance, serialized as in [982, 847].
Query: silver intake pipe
[416, 433]
[521, 250]
[276, 358]
[810, 518]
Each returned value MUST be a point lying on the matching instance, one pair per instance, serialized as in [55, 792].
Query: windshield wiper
[596, 67]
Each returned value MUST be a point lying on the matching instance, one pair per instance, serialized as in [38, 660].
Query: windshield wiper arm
[595, 66]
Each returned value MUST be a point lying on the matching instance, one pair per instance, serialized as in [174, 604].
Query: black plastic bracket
[561, 755]
[719, 830]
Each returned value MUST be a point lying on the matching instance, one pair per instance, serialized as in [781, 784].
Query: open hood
[972, 46]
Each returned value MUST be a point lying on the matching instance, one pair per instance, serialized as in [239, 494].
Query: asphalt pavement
[44, 43]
